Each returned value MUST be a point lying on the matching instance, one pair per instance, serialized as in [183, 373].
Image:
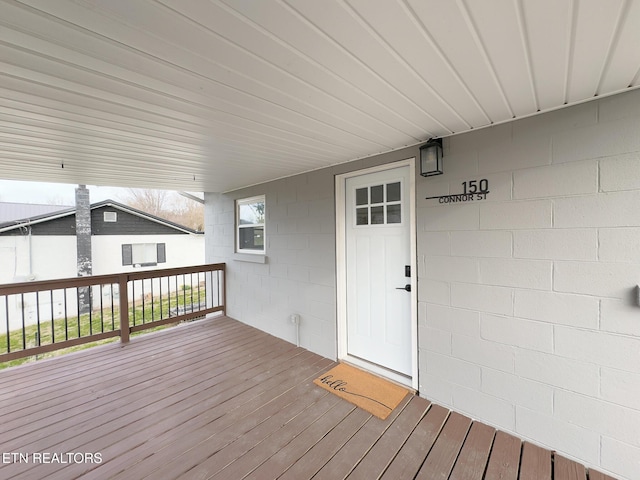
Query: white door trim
[341, 270]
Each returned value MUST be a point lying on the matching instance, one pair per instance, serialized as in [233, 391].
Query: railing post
[124, 309]
[224, 289]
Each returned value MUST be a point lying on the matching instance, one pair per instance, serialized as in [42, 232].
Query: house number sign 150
[471, 190]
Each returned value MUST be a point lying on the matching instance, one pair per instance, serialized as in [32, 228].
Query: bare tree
[168, 205]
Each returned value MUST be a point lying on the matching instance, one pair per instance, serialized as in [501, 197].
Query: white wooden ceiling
[212, 95]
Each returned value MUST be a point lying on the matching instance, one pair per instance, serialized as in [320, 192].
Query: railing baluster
[53, 327]
[38, 314]
[66, 319]
[101, 312]
[124, 309]
[6, 311]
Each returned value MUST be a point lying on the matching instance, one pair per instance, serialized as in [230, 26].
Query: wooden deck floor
[218, 399]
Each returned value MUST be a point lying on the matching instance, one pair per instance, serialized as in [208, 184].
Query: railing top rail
[55, 284]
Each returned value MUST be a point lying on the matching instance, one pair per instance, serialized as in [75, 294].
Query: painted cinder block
[452, 369]
[454, 320]
[556, 434]
[618, 209]
[494, 410]
[482, 298]
[434, 340]
[481, 139]
[551, 123]
[606, 418]
[620, 387]
[620, 316]
[616, 107]
[556, 244]
[620, 457]
[614, 280]
[556, 180]
[557, 371]
[481, 244]
[619, 244]
[434, 388]
[620, 173]
[517, 390]
[438, 242]
[450, 217]
[522, 333]
[432, 291]
[482, 352]
[451, 269]
[519, 153]
[516, 215]
[604, 139]
[508, 272]
[600, 348]
[560, 308]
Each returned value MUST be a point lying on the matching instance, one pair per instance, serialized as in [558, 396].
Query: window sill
[249, 257]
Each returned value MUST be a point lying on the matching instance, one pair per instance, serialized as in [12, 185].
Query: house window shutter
[162, 254]
[127, 254]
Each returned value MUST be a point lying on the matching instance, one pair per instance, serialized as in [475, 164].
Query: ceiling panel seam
[613, 43]
[524, 37]
[296, 77]
[445, 59]
[402, 61]
[357, 60]
[485, 55]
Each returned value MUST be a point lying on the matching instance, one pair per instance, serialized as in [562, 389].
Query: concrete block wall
[298, 275]
[527, 300]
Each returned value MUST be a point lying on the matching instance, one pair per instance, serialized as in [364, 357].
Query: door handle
[407, 287]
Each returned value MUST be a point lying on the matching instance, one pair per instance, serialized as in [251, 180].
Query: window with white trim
[250, 225]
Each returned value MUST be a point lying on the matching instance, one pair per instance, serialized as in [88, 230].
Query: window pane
[377, 215]
[362, 197]
[251, 238]
[393, 192]
[377, 193]
[394, 214]
[144, 253]
[362, 216]
[251, 213]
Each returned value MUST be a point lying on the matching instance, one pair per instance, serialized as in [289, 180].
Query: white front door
[378, 264]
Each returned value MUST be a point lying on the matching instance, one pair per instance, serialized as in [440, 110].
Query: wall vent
[110, 216]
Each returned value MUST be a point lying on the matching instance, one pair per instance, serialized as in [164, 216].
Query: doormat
[373, 394]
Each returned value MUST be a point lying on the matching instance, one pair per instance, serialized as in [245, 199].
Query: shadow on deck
[219, 399]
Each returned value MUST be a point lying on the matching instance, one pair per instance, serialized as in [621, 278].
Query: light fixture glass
[431, 158]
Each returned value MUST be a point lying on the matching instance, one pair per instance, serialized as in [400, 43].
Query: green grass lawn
[98, 321]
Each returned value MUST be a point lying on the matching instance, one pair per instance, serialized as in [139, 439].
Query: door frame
[341, 273]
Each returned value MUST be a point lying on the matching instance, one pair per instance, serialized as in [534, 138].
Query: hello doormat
[373, 394]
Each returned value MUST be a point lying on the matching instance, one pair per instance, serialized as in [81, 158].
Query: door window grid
[379, 204]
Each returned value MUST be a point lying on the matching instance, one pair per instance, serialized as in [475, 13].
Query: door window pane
[362, 196]
[362, 216]
[393, 192]
[377, 194]
[394, 214]
[377, 215]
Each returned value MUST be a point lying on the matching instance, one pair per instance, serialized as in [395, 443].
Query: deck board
[504, 462]
[217, 399]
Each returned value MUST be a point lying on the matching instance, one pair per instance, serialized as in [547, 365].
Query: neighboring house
[16, 211]
[123, 239]
[523, 310]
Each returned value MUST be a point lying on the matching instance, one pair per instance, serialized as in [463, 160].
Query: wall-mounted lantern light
[431, 158]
